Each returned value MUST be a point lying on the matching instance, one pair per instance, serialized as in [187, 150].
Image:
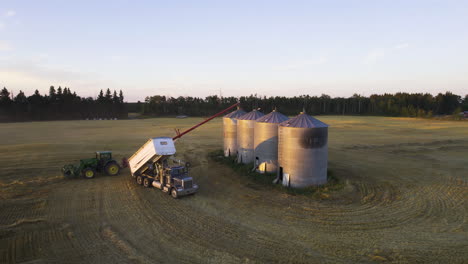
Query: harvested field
[404, 198]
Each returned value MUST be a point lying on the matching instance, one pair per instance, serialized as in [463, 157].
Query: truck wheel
[174, 193]
[88, 173]
[112, 168]
[147, 183]
[139, 180]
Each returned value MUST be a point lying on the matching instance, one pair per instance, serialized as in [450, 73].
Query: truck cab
[181, 181]
[174, 180]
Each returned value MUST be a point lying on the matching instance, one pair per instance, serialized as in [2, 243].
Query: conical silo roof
[253, 115]
[235, 114]
[303, 120]
[273, 117]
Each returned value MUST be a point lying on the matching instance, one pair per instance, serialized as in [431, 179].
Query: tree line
[399, 104]
[60, 104]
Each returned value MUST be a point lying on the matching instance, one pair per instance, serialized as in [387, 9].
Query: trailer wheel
[174, 193]
[139, 179]
[88, 173]
[147, 183]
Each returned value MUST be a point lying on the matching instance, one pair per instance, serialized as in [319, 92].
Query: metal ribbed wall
[266, 142]
[245, 136]
[303, 152]
[230, 132]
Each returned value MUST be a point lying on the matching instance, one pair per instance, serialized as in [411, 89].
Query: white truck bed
[152, 150]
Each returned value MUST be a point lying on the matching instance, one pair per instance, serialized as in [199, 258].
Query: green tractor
[87, 168]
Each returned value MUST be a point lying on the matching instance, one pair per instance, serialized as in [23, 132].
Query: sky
[234, 48]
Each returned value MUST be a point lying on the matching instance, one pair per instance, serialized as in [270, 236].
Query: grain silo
[230, 132]
[245, 136]
[302, 151]
[266, 142]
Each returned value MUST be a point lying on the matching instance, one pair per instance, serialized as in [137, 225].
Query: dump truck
[151, 167]
[154, 165]
[87, 168]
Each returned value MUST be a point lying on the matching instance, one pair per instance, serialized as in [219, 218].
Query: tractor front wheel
[67, 173]
[112, 168]
[88, 173]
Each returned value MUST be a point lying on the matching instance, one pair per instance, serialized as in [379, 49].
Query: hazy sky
[198, 48]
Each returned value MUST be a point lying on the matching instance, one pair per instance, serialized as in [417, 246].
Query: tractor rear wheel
[139, 179]
[147, 182]
[88, 173]
[112, 168]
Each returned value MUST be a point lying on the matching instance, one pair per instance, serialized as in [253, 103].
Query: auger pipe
[179, 135]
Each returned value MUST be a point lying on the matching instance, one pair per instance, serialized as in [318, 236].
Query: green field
[404, 198]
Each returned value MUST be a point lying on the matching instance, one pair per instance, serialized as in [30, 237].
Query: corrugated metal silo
[266, 141]
[230, 132]
[302, 151]
[245, 136]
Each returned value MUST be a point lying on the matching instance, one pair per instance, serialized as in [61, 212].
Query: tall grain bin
[302, 151]
[245, 136]
[230, 132]
[266, 141]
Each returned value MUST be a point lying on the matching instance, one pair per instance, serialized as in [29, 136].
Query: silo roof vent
[303, 120]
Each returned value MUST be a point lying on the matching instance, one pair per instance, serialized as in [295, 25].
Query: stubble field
[404, 198]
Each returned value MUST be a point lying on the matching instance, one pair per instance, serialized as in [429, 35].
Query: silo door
[286, 179]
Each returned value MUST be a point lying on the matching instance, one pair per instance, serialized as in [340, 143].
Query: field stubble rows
[403, 199]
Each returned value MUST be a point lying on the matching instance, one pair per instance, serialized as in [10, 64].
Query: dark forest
[63, 104]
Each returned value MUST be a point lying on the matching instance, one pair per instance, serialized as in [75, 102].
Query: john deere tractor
[87, 168]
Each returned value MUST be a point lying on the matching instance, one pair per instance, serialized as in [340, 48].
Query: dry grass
[403, 199]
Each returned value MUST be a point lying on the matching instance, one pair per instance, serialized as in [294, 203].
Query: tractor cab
[104, 155]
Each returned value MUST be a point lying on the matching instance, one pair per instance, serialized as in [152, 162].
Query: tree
[20, 98]
[108, 96]
[100, 97]
[36, 97]
[115, 98]
[447, 103]
[421, 113]
[121, 97]
[5, 104]
[465, 103]
[59, 93]
[5, 97]
[52, 94]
